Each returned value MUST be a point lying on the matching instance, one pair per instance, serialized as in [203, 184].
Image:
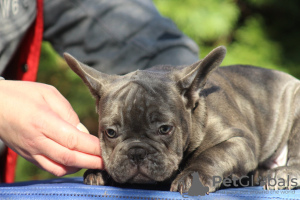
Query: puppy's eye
[110, 133]
[165, 129]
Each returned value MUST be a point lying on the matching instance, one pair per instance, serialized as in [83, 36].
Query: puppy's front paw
[282, 178]
[192, 183]
[182, 183]
[95, 177]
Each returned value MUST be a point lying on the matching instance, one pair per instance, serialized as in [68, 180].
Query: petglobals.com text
[246, 181]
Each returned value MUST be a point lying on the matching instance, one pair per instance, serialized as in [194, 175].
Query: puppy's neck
[198, 122]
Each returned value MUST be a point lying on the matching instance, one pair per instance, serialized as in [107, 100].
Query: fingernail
[82, 128]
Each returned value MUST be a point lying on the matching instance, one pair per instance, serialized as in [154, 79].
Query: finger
[67, 135]
[67, 157]
[53, 167]
[60, 105]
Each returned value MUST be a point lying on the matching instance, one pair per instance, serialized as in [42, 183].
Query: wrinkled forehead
[137, 100]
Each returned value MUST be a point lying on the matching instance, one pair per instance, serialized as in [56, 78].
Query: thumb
[59, 104]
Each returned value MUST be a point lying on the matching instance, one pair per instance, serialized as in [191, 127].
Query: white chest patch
[281, 160]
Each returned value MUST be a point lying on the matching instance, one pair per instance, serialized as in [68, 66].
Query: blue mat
[73, 188]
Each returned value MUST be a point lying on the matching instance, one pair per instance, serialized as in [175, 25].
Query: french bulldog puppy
[162, 124]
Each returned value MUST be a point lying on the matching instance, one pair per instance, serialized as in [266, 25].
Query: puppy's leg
[287, 177]
[236, 157]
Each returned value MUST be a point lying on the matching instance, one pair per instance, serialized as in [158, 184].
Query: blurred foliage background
[264, 33]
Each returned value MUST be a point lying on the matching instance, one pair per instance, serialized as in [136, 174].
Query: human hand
[38, 123]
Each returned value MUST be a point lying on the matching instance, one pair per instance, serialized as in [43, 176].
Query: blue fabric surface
[73, 188]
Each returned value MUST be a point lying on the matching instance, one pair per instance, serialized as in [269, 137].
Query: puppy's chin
[133, 175]
[141, 179]
[147, 173]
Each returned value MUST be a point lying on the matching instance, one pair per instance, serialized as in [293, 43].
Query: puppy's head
[145, 117]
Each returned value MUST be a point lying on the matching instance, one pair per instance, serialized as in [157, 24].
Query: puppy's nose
[137, 154]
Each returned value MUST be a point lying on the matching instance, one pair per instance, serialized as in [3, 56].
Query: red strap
[30, 48]
[11, 161]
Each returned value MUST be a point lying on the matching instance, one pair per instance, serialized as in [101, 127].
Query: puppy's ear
[95, 80]
[192, 79]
